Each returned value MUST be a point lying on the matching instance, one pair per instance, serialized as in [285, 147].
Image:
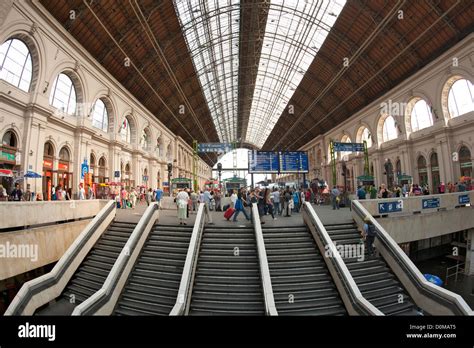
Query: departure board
[294, 162]
[263, 161]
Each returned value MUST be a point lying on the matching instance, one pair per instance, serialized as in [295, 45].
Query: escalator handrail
[270, 308]
[430, 289]
[35, 286]
[185, 286]
[101, 296]
[347, 279]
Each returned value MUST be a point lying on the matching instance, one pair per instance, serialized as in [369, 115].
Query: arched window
[145, 138]
[421, 116]
[63, 94]
[422, 170]
[461, 98]
[389, 129]
[100, 116]
[15, 64]
[125, 131]
[9, 139]
[48, 149]
[465, 161]
[92, 164]
[365, 135]
[398, 167]
[102, 162]
[159, 146]
[64, 154]
[435, 177]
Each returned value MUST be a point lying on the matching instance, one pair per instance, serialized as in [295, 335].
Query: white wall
[34, 121]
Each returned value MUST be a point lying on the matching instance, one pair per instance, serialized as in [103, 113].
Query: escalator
[376, 281]
[91, 274]
[301, 281]
[227, 279]
[153, 284]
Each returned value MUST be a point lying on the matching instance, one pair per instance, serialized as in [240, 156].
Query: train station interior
[236, 158]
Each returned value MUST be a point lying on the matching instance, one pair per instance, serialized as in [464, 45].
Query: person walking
[260, 204]
[82, 192]
[296, 201]
[370, 234]
[158, 196]
[239, 207]
[148, 196]
[233, 199]
[124, 196]
[182, 203]
[16, 194]
[275, 197]
[269, 203]
[194, 200]
[361, 192]
[335, 197]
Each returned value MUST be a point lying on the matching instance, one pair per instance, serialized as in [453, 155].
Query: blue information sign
[349, 147]
[214, 147]
[390, 207]
[263, 162]
[84, 170]
[430, 203]
[464, 199]
[294, 162]
[117, 174]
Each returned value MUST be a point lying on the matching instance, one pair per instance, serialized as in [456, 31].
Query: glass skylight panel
[211, 31]
[294, 33]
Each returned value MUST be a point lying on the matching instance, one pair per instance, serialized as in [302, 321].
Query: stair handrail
[187, 278]
[35, 286]
[101, 296]
[270, 308]
[347, 279]
[409, 267]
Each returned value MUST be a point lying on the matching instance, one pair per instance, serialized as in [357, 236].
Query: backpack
[371, 232]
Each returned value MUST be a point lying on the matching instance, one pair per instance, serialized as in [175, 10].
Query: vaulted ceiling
[266, 74]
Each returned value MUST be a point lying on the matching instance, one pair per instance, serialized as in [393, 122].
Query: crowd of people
[371, 192]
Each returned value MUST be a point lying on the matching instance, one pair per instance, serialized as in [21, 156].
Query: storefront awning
[6, 173]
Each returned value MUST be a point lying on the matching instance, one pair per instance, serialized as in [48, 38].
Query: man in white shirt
[233, 199]
[82, 192]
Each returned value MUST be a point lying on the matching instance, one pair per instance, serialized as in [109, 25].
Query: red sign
[47, 164]
[62, 166]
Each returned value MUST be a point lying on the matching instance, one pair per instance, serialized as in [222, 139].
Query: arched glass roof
[295, 30]
[294, 33]
[211, 30]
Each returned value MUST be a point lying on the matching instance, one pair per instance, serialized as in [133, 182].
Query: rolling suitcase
[228, 213]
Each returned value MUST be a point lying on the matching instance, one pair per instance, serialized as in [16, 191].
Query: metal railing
[270, 308]
[183, 300]
[103, 295]
[459, 267]
[359, 302]
[35, 286]
[454, 301]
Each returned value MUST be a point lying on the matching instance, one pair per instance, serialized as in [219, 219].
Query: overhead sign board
[215, 147]
[348, 147]
[430, 203]
[390, 207]
[294, 162]
[263, 161]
